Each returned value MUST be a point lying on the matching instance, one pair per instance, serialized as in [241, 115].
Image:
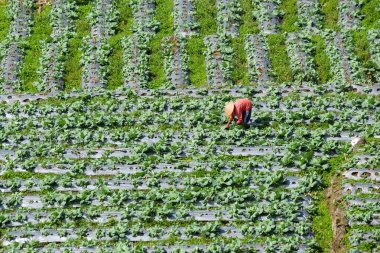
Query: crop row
[300, 51]
[109, 168]
[228, 17]
[309, 15]
[344, 64]
[12, 50]
[236, 245]
[349, 14]
[199, 197]
[96, 49]
[361, 191]
[185, 23]
[136, 58]
[52, 61]
[176, 61]
[219, 55]
[143, 17]
[268, 15]
[259, 67]
[252, 180]
[259, 91]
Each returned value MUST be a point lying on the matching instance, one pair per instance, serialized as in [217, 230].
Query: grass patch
[239, 62]
[330, 11]
[115, 67]
[279, 58]
[290, 15]
[206, 18]
[371, 11]
[361, 46]
[164, 11]
[322, 224]
[4, 21]
[322, 61]
[73, 70]
[41, 31]
[197, 61]
[248, 24]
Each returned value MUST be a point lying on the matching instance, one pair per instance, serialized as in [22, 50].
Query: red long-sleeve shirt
[241, 105]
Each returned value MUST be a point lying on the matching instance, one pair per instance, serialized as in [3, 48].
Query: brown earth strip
[333, 196]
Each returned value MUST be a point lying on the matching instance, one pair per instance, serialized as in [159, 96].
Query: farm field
[112, 133]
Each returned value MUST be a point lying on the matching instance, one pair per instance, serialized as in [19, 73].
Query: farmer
[240, 109]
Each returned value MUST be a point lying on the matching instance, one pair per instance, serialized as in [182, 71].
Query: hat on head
[229, 109]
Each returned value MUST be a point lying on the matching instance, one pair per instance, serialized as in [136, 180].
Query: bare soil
[333, 196]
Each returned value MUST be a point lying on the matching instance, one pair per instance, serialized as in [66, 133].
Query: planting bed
[361, 188]
[218, 60]
[20, 15]
[184, 18]
[52, 61]
[349, 14]
[96, 49]
[309, 14]
[228, 17]
[300, 51]
[258, 60]
[268, 15]
[176, 61]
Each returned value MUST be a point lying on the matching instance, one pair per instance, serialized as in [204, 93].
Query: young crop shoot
[184, 18]
[309, 14]
[259, 68]
[19, 13]
[229, 16]
[219, 55]
[300, 51]
[268, 15]
[54, 53]
[344, 64]
[349, 14]
[374, 48]
[96, 49]
[176, 61]
[143, 16]
[136, 58]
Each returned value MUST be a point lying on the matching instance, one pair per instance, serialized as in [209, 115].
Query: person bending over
[241, 109]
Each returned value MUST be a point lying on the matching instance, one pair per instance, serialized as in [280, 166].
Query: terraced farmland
[112, 128]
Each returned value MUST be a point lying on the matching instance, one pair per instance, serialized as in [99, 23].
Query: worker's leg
[247, 116]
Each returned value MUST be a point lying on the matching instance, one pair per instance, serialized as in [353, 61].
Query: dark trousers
[247, 116]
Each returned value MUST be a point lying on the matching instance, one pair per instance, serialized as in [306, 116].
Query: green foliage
[330, 10]
[206, 16]
[279, 58]
[4, 21]
[40, 31]
[115, 78]
[197, 64]
[73, 71]
[164, 17]
[361, 47]
[371, 12]
[289, 7]
[322, 61]
[248, 23]
[239, 62]
[322, 224]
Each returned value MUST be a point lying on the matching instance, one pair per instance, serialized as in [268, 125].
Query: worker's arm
[230, 121]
